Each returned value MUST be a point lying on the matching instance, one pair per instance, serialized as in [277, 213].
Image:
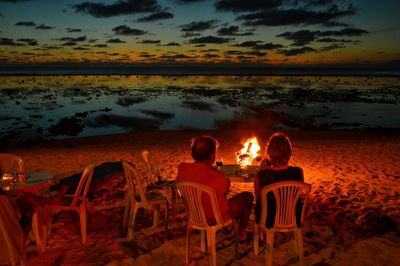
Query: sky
[199, 32]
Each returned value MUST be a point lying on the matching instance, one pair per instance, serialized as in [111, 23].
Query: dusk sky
[237, 32]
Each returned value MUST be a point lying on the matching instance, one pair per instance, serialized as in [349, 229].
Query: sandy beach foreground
[353, 216]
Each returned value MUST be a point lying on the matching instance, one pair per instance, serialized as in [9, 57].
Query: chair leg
[83, 220]
[166, 218]
[236, 232]
[256, 239]
[189, 229]
[156, 215]
[269, 247]
[126, 212]
[299, 241]
[211, 246]
[38, 230]
[203, 241]
[131, 224]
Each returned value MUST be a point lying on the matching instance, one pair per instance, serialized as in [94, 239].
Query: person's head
[279, 150]
[204, 149]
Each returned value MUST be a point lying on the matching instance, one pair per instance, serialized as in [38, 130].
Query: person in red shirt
[202, 171]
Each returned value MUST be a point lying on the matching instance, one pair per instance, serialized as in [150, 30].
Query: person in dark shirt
[275, 168]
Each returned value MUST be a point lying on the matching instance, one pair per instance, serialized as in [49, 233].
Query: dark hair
[203, 148]
[279, 149]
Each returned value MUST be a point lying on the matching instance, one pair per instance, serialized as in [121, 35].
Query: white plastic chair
[287, 194]
[138, 198]
[12, 249]
[192, 195]
[78, 203]
[156, 180]
[11, 164]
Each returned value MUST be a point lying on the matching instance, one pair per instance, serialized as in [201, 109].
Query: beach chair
[11, 164]
[191, 194]
[78, 202]
[287, 194]
[12, 249]
[138, 198]
[156, 180]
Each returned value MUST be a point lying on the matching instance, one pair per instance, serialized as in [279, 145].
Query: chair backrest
[287, 194]
[134, 182]
[11, 235]
[12, 164]
[194, 195]
[152, 169]
[84, 184]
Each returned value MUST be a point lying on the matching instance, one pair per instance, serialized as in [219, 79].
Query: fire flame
[249, 151]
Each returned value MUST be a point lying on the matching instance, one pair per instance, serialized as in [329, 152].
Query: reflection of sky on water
[113, 104]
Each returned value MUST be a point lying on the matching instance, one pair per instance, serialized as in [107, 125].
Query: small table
[238, 174]
[33, 183]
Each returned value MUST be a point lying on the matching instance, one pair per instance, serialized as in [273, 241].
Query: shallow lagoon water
[62, 106]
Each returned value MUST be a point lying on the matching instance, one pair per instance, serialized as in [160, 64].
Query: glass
[220, 163]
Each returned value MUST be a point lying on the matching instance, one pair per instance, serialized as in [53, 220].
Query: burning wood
[248, 152]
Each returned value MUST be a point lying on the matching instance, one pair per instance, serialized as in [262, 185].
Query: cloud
[31, 42]
[246, 6]
[184, 2]
[331, 47]
[71, 39]
[199, 25]
[9, 42]
[25, 23]
[237, 52]
[210, 56]
[333, 40]
[172, 44]
[175, 56]
[115, 41]
[294, 17]
[259, 45]
[100, 45]
[149, 42]
[69, 43]
[190, 34]
[300, 38]
[81, 48]
[125, 30]
[296, 51]
[121, 7]
[73, 30]
[232, 31]
[155, 17]
[14, 1]
[146, 55]
[210, 39]
[43, 27]
[304, 37]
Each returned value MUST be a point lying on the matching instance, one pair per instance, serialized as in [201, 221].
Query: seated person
[276, 169]
[202, 171]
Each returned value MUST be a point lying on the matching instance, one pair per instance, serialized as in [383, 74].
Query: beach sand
[353, 215]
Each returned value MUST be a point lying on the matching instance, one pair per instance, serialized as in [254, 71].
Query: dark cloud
[71, 39]
[210, 39]
[296, 51]
[174, 56]
[199, 105]
[25, 23]
[210, 56]
[304, 37]
[300, 38]
[81, 48]
[73, 30]
[92, 40]
[31, 42]
[199, 25]
[246, 5]
[43, 27]
[183, 2]
[121, 7]
[146, 55]
[128, 101]
[237, 52]
[294, 17]
[333, 40]
[126, 122]
[125, 30]
[158, 114]
[259, 45]
[115, 41]
[190, 34]
[232, 31]
[69, 43]
[149, 42]
[331, 47]
[9, 42]
[156, 16]
[172, 44]
[100, 45]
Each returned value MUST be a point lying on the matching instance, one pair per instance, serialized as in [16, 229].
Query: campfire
[249, 152]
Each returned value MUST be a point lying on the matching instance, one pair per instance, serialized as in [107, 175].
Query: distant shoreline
[198, 71]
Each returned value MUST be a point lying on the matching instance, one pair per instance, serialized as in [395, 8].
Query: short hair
[279, 149]
[203, 148]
